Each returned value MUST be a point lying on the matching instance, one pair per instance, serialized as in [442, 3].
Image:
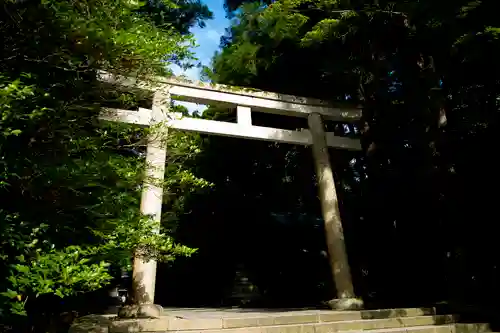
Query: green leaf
[9, 293]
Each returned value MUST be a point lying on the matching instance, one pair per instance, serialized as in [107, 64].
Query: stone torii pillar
[144, 272]
[337, 254]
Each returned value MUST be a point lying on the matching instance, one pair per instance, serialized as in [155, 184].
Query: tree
[69, 187]
[181, 15]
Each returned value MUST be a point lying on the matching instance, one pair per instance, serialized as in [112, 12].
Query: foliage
[60, 272]
[70, 189]
[178, 14]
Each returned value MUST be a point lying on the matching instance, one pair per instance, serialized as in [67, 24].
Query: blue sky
[208, 39]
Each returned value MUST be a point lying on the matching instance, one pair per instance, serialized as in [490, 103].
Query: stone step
[290, 323]
[231, 317]
[275, 321]
[235, 318]
[326, 328]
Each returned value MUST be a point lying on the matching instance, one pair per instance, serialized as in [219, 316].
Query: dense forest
[417, 203]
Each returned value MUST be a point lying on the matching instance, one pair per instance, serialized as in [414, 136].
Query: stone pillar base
[346, 304]
[140, 311]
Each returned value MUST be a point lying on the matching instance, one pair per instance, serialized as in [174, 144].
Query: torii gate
[166, 89]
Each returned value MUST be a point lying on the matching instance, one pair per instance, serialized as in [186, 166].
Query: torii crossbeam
[166, 89]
